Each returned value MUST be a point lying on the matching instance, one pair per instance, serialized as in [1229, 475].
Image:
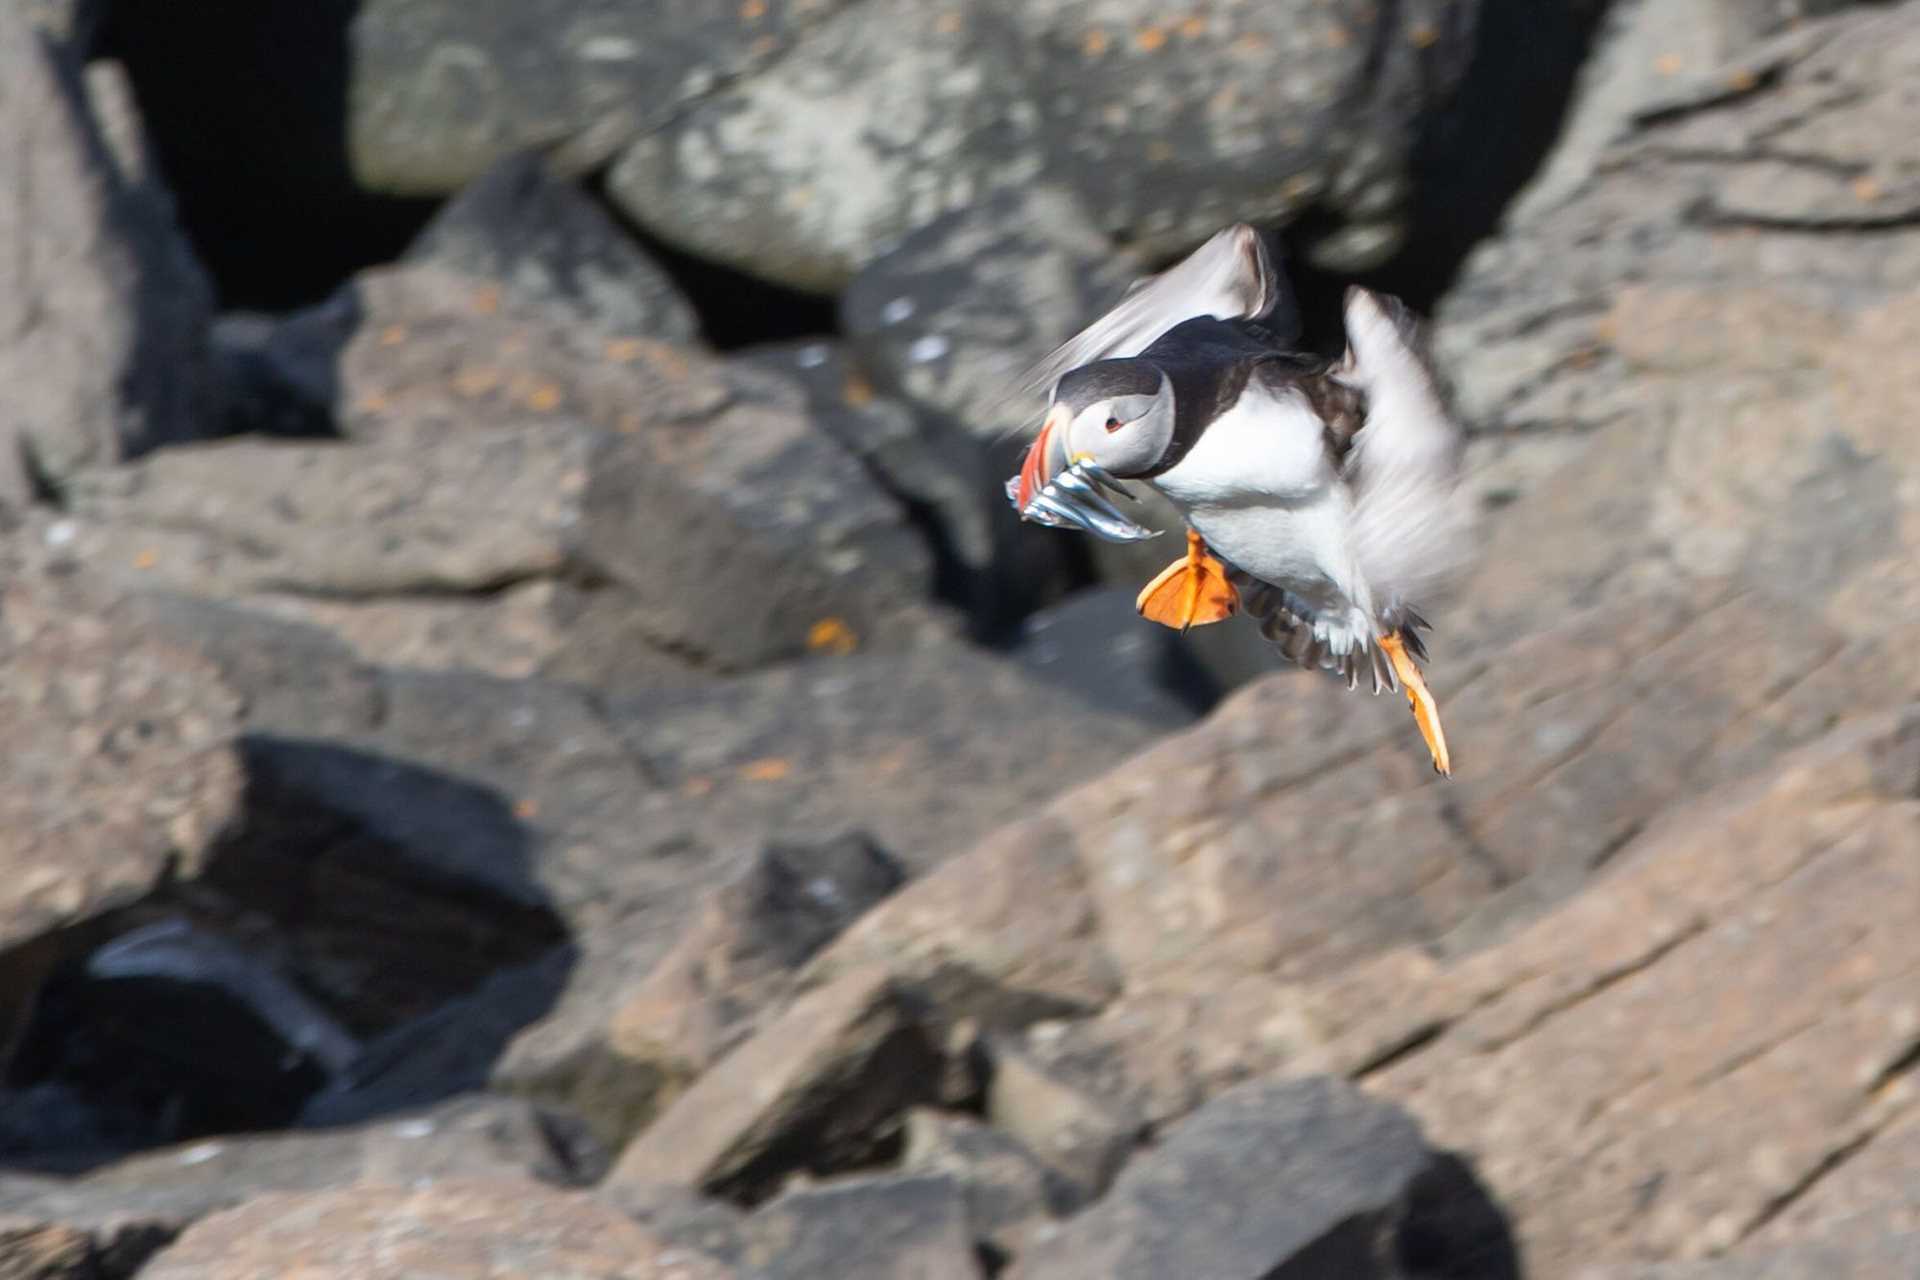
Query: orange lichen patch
[1338, 37]
[857, 391]
[146, 559]
[393, 335]
[475, 380]
[486, 299]
[771, 769]
[753, 10]
[1669, 64]
[624, 350]
[1743, 80]
[831, 635]
[1865, 188]
[1194, 27]
[545, 398]
[697, 786]
[947, 23]
[630, 423]
[1150, 38]
[1297, 187]
[373, 402]
[525, 809]
[1094, 43]
[1424, 36]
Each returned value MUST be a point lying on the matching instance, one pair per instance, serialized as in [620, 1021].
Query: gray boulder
[441, 89]
[104, 311]
[892, 113]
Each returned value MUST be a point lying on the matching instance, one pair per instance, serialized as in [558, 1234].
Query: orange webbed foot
[1191, 592]
[1426, 712]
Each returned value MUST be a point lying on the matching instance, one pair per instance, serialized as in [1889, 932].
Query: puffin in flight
[1320, 496]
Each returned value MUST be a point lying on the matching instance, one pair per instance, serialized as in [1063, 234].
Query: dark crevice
[736, 310]
[246, 104]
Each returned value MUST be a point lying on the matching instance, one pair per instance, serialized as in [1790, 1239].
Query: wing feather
[1232, 276]
[1410, 519]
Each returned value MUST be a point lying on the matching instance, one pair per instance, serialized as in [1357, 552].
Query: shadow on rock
[269, 991]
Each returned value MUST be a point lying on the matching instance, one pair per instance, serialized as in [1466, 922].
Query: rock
[438, 94]
[1096, 644]
[456, 1229]
[740, 952]
[1082, 1139]
[1878, 1185]
[812, 1091]
[681, 1217]
[883, 118]
[1005, 934]
[1272, 1179]
[103, 335]
[710, 472]
[119, 1214]
[542, 238]
[120, 772]
[1848, 1258]
[1754, 944]
[956, 313]
[951, 481]
[873, 1228]
[1009, 1194]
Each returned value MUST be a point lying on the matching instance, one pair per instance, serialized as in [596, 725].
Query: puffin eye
[1114, 424]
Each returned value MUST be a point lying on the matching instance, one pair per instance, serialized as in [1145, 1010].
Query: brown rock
[1082, 1139]
[1004, 934]
[1667, 1062]
[1009, 1193]
[119, 770]
[480, 1228]
[1852, 1257]
[811, 1090]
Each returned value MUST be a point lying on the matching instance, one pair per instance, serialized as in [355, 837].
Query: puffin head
[1116, 414]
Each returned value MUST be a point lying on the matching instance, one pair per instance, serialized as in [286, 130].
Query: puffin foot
[1426, 713]
[1190, 592]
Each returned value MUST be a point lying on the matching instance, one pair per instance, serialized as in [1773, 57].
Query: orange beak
[1040, 467]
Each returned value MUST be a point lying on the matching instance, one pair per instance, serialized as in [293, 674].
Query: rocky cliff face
[498, 781]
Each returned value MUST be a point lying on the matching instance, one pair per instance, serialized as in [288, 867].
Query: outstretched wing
[1411, 522]
[1232, 276]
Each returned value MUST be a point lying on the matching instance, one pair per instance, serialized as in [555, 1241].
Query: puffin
[1320, 495]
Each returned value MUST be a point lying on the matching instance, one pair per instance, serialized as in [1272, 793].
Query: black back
[1209, 362]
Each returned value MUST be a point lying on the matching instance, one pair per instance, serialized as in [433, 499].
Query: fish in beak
[1063, 493]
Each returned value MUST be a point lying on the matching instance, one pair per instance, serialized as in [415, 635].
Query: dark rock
[466, 1229]
[1096, 644]
[119, 1214]
[955, 313]
[681, 1216]
[871, 1228]
[103, 338]
[817, 1089]
[890, 114]
[440, 91]
[542, 238]
[1009, 1193]
[1083, 1139]
[1268, 1181]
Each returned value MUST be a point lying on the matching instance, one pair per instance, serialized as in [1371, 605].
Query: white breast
[1259, 487]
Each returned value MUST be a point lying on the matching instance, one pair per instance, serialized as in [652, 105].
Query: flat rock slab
[480, 1229]
[812, 1088]
[1690, 1048]
[874, 1228]
[1268, 1181]
[119, 768]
